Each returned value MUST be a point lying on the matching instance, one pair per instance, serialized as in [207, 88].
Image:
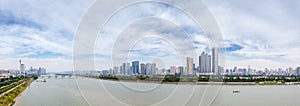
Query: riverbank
[153, 82]
[208, 83]
[8, 99]
[186, 80]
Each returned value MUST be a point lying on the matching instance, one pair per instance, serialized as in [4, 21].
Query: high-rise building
[127, 69]
[202, 62]
[41, 71]
[123, 69]
[135, 67]
[22, 68]
[249, 68]
[189, 65]
[221, 69]
[235, 70]
[130, 70]
[116, 70]
[194, 67]
[205, 63]
[215, 61]
[180, 70]
[298, 71]
[148, 68]
[153, 68]
[290, 71]
[173, 70]
[208, 64]
[143, 69]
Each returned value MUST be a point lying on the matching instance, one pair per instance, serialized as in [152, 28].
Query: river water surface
[95, 92]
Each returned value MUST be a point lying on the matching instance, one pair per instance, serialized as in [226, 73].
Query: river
[87, 91]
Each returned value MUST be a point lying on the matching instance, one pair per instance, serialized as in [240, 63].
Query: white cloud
[268, 31]
[265, 29]
[259, 64]
[51, 64]
[43, 30]
[142, 22]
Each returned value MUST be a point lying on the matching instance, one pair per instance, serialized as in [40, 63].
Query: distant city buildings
[36, 71]
[5, 73]
[189, 65]
[143, 69]
[215, 61]
[135, 67]
[21, 71]
[298, 71]
[205, 63]
[22, 68]
[208, 65]
[172, 70]
[267, 72]
[116, 70]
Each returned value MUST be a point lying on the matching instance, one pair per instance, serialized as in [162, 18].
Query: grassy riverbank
[7, 81]
[164, 79]
[9, 98]
[212, 80]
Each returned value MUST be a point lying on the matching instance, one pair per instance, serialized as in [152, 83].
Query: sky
[260, 34]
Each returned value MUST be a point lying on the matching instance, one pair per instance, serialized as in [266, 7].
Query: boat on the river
[236, 91]
[43, 80]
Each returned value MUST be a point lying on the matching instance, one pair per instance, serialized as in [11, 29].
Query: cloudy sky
[256, 33]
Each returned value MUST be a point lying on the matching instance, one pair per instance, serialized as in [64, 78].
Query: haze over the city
[41, 33]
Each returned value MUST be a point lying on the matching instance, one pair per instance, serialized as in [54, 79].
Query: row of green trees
[9, 87]
[168, 78]
[111, 77]
[7, 81]
[115, 77]
[237, 79]
[8, 99]
[173, 78]
[203, 79]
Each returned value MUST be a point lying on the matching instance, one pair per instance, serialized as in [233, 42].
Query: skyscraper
[173, 70]
[202, 62]
[298, 71]
[148, 68]
[143, 69]
[290, 71]
[116, 70]
[215, 60]
[205, 63]
[135, 67]
[123, 69]
[153, 68]
[208, 64]
[22, 68]
[189, 65]
[127, 69]
[180, 70]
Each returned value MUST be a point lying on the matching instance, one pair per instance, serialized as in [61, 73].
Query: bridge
[58, 76]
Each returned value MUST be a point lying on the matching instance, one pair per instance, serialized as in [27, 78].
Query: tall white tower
[189, 66]
[22, 68]
[215, 61]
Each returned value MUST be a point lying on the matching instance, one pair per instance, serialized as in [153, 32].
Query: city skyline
[253, 34]
[205, 67]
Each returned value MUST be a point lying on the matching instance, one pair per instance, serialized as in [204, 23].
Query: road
[11, 89]
[9, 84]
